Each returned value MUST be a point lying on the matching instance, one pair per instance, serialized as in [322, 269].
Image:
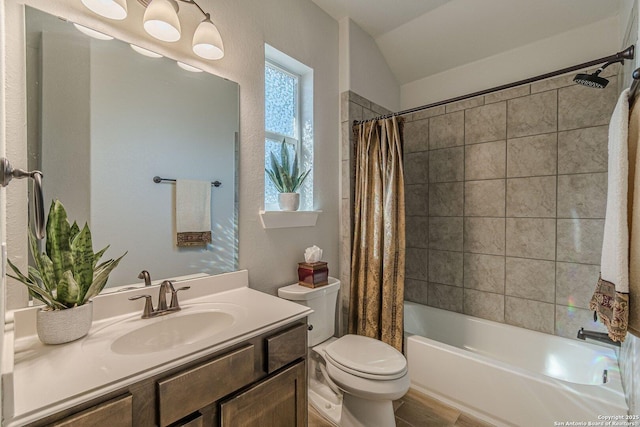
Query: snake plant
[285, 174]
[67, 274]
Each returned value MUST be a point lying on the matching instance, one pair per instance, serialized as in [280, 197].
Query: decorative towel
[611, 297]
[634, 221]
[193, 212]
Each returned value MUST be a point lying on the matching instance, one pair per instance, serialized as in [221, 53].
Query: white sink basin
[172, 332]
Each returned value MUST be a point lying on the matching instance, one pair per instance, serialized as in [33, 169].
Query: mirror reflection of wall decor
[103, 120]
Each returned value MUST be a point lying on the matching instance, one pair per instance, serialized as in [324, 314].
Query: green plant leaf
[100, 278]
[58, 243]
[73, 231]
[98, 255]
[68, 291]
[82, 251]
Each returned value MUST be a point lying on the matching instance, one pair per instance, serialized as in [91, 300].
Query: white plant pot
[62, 326]
[289, 201]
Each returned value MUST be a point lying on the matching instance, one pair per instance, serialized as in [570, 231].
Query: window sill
[288, 219]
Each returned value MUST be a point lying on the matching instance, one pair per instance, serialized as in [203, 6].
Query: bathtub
[511, 376]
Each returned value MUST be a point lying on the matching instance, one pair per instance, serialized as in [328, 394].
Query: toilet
[353, 380]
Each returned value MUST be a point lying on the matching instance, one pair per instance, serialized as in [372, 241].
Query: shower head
[591, 80]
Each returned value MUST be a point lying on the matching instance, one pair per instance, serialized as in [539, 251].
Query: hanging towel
[611, 297]
[193, 212]
[634, 221]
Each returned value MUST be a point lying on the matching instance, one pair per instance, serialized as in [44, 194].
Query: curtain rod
[628, 53]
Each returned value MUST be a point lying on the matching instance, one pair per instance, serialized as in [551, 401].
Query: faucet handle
[174, 298]
[148, 305]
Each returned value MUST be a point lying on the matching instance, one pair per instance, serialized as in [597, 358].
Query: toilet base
[329, 410]
[358, 412]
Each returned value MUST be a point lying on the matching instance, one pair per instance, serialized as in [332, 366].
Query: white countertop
[46, 378]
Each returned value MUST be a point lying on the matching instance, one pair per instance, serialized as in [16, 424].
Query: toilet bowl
[353, 380]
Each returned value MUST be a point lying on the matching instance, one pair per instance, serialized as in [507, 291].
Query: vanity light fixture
[161, 21]
[188, 67]
[145, 52]
[92, 33]
[112, 9]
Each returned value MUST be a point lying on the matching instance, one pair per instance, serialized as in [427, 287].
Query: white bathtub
[510, 376]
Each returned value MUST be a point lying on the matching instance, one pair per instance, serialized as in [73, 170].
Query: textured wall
[506, 199]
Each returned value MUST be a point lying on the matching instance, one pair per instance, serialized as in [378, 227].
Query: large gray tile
[532, 155]
[535, 315]
[575, 283]
[464, 104]
[425, 114]
[358, 99]
[446, 165]
[368, 114]
[484, 235]
[532, 115]
[580, 240]
[355, 112]
[485, 161]
[416, 136]
[503, 95]
[416, 168]
[531, 238]
[484, 198]
[346, 140]
[445, 297]
[417, 231]
[416, 199]
[446, 199]
[445, 233]
[531, 197]
[446, 131]
[570, 319]
[580, 106]
[379, 109]
[553, 83]
[485, 305]
[485, 123]
[484, 272]
[531, 278]
[583, 150]
[445, 267]
[346, 179]
[582, 196]
[416, 263]
[416, 291]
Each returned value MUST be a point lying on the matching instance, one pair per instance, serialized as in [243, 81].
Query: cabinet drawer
[186, 392]
[114, 413]
[285, 347]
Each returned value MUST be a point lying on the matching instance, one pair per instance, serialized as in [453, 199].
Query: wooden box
[313, 275]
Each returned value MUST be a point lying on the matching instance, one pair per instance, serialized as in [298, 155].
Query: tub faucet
[597, 336]
[144, 274]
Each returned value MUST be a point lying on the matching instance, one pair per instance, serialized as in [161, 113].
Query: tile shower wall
[352, 107]
[505, 203]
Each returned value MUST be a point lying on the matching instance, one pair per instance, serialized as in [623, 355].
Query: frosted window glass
[281, 101]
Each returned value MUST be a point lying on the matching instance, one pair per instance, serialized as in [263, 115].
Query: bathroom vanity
[232, 356]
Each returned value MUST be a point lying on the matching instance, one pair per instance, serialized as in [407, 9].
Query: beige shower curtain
[378, 254]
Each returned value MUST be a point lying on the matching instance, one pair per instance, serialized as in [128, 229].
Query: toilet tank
[322, 301]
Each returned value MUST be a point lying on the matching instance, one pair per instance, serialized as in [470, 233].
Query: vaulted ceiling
[419, 38]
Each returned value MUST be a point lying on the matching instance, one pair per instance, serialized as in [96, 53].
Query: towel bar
[158, 180]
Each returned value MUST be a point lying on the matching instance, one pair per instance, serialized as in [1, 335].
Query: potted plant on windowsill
[65, 278]
[286, 177]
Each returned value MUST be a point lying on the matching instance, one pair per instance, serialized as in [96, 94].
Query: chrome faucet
[144, 274]
[165, 287]
[597, 336]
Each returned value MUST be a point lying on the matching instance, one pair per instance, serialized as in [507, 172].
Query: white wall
[364, 68]
[573, 47]
[296, 27]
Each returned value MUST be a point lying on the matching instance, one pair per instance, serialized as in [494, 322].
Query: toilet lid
[366, 357]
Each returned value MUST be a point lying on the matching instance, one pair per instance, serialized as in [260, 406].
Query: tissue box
[313, 274]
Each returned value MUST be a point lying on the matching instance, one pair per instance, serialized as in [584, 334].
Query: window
[288, 117]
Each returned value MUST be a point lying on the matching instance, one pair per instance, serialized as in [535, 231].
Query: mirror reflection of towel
[193, 212]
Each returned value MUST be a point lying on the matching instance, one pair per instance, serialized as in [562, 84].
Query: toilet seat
[366, 357]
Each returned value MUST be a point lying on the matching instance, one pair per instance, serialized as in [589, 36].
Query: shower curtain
[378, 254]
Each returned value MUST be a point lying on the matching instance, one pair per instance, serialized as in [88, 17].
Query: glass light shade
[145, 52]
[92, 33]
[161, 20]
[112, 9]
[207, 42]
[188, 67]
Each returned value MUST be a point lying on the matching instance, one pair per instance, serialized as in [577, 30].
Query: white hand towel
[610, 299]
[193, 212]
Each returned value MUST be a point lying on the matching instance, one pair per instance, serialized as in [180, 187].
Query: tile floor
[415, 409]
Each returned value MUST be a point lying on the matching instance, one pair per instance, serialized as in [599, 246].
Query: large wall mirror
[103, 120]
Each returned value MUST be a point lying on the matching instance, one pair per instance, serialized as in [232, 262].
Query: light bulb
[207, 42]
[161, 20]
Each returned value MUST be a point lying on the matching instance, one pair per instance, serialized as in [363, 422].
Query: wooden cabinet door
[279, 401]
[114, 413]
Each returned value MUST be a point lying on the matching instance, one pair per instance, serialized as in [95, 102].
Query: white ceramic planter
[62, 326]
[289, 201]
